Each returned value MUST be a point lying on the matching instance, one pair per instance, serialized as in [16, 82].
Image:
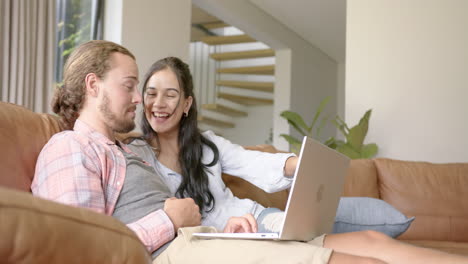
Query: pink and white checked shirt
[84, 168]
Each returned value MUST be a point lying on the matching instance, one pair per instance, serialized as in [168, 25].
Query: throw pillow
[363, 213]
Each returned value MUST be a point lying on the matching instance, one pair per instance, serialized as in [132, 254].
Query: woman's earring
[185, 114]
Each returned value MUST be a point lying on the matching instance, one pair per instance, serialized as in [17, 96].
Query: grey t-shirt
[143, 192]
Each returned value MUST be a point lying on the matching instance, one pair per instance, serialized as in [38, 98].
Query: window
[78, 21]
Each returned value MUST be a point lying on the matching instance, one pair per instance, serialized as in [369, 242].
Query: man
[88, 167]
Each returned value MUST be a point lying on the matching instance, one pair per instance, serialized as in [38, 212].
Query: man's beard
[119, 126]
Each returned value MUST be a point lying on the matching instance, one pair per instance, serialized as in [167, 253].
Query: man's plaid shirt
[84, 168]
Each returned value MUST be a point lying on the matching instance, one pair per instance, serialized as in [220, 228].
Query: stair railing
[203, 73]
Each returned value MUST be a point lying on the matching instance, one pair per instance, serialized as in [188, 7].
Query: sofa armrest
[35, 230]
[244, 189]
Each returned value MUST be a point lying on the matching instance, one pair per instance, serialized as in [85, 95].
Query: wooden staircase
[261, 70]
[215, 122]
[224, 110]
[248, 93]
[221, 40]
[245, 100]
[248, 54]
[255, 86]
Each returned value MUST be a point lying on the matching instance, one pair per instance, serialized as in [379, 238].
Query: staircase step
[215, 122]
[214, 25]
[257, 86]
[262, 70]
[224, 110]
[219, 40]
[245, 100]
[249, 54]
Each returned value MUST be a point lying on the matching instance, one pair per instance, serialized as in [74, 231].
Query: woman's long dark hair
[194, 176]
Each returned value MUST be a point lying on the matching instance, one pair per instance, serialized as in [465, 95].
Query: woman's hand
[243, 224]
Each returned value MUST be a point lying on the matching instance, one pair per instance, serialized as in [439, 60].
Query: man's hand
[182, 212]
[243, 224]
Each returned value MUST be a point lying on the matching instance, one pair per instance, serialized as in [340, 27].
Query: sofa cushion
[23, 133]
[460, 248]
[362, 213]
[435, 193]
[361, 179]
[35, 230]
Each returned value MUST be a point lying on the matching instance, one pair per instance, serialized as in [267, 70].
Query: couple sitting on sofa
[88, 167]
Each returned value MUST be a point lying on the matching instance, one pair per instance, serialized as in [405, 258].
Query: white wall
[282, 97]
[341, 95]
[150, 29]
[313, 73]
[408, 61]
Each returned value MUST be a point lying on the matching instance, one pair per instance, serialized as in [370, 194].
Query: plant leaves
[357, 133]
[331, 143]
[291, 139]
[322, 124]
[296, 149]
[67, 52]
[341, 125]
[353, 146]
[349, 151]
[318, 112]
[339, 143]
[369, 151]
[295, 120]
[294, 143]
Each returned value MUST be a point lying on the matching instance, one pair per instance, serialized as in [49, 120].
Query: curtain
[27, 45]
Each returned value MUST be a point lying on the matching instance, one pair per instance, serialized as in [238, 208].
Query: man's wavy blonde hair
[90, 57]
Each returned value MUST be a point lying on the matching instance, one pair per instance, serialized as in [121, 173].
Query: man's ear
[92, 84]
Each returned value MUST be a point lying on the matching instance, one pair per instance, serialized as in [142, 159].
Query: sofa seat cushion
[447, 246]
[361, 179]
[436, 194]
[38, 231]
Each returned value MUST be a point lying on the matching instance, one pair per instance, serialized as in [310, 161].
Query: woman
[191, 164]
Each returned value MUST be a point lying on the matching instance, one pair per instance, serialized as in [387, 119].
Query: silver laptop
[313, 198]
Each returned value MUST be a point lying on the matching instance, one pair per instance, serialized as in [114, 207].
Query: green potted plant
[297, 122]
[353, 144]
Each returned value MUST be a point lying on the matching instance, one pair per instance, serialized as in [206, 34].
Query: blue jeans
[270, 220]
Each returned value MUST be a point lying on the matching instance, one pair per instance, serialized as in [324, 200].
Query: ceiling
[320, 22]
[199, 16]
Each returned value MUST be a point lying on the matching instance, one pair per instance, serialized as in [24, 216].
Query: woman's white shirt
[265, 170]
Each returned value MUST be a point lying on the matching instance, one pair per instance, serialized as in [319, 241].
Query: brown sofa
[39, 231]
[436, 194]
